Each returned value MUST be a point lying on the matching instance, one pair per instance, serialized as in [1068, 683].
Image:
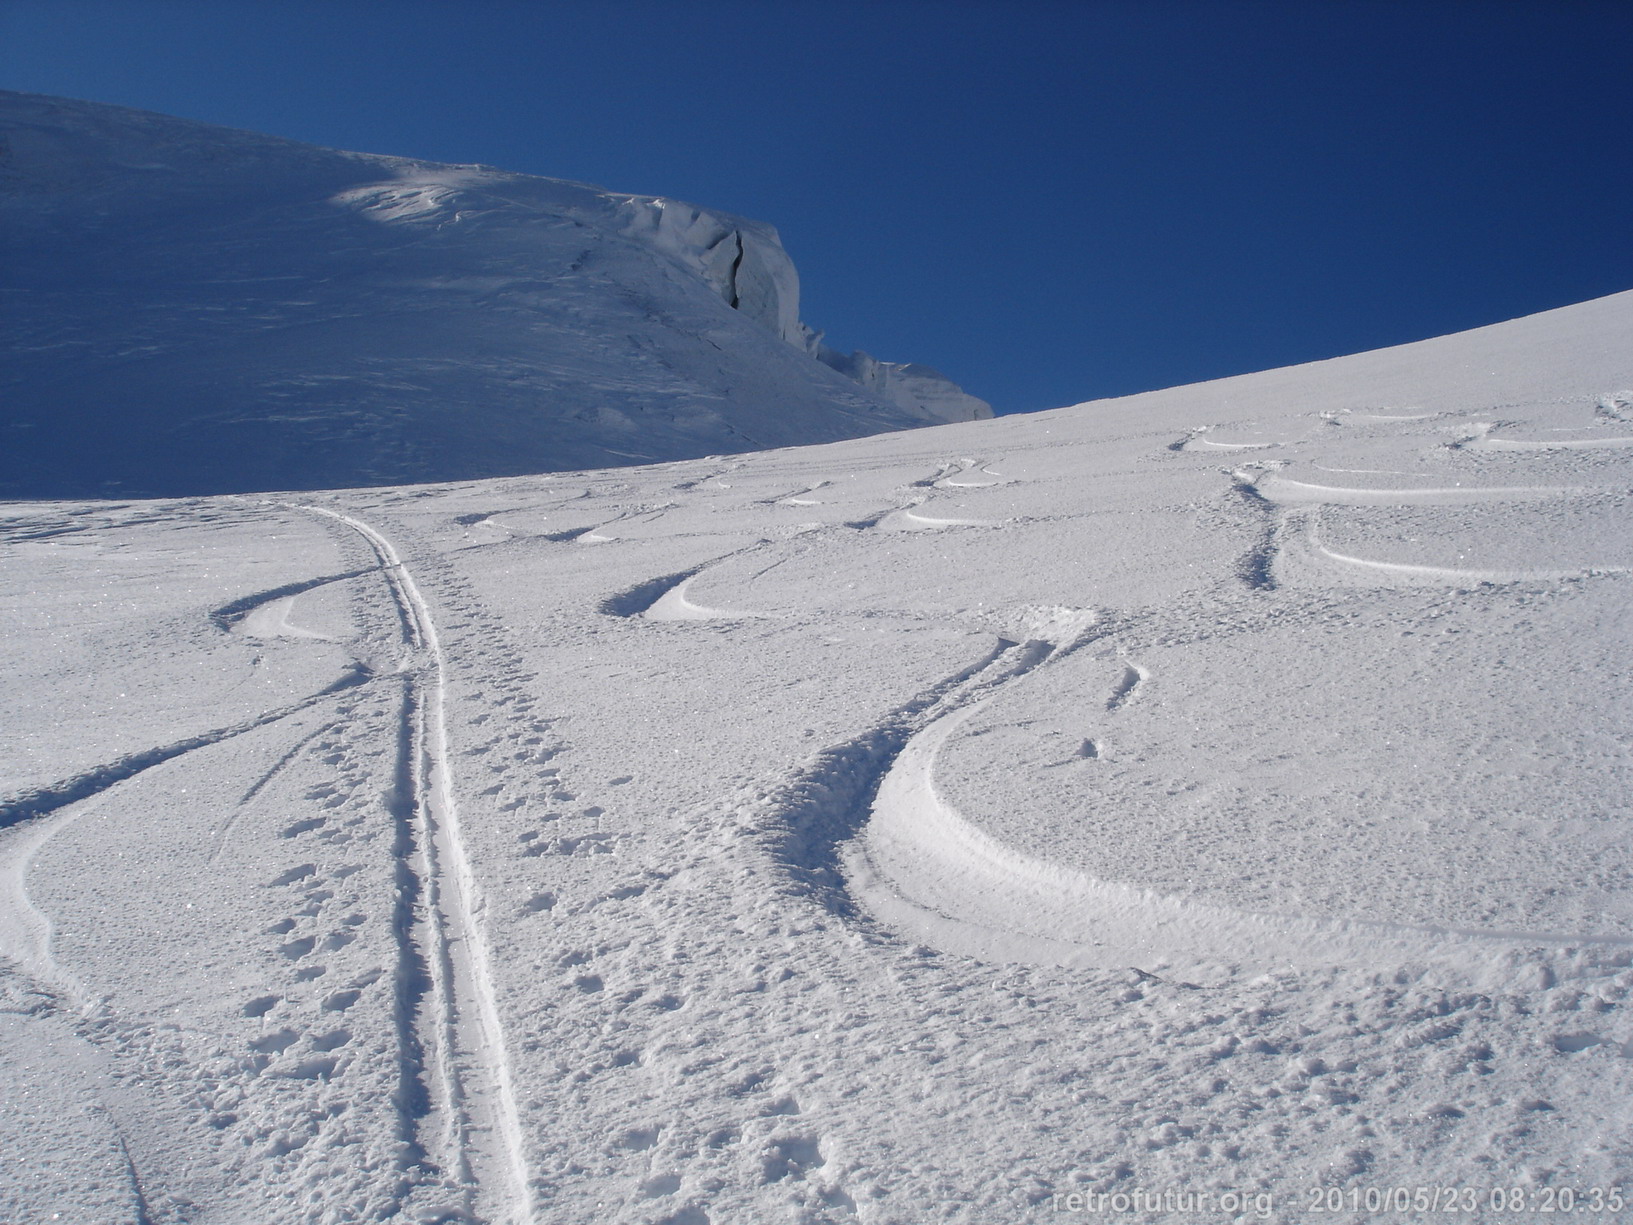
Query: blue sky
[1049, 201]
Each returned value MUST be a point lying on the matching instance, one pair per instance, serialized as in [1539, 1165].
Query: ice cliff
[745, 263]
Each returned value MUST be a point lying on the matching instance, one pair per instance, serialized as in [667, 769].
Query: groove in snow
[457, 960]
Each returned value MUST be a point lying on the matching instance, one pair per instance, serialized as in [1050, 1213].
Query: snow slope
[1219, 795]
[190, 309]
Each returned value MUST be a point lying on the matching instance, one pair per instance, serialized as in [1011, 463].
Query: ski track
[481, 1136]
[675, 605]
[272, 771]
[1488, 443]
[222, 833]
[1451, 574]
[947, 469]
[42, 801]
[1233, 446]
[913, 519]
[821, 810]
[228, 615]
[638, 600]
[144, 1211]
[951, 480]
[867, 824]
[25, 930]
[1391, 418]
[1285, 489]
[273, 621]
[907, 859]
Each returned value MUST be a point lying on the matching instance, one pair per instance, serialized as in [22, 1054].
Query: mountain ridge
[194, 309]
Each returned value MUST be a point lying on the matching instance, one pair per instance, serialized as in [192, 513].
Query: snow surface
[190, 309]
[1221, 792]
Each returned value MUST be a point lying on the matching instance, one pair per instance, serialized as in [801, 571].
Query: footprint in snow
[261, 1005]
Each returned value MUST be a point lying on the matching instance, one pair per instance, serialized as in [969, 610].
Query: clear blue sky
[1049, 201]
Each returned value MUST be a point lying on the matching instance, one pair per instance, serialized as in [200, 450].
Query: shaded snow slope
[190, 309]
[1219, 795]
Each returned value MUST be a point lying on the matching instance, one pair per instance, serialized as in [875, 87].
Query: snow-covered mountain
[191, 309]
[1209, 805]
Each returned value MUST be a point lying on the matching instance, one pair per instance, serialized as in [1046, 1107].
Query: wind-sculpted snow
[212, 311]
[1222, 790]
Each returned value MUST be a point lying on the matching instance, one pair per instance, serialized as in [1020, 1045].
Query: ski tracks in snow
[1453, 486]
[464, 1121]
[457, 1029]
[866, 829]
[44, 812]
